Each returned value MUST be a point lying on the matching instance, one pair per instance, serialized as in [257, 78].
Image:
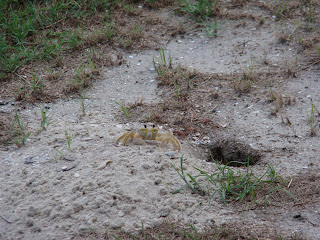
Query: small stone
[104, 164]
[77, 208]
[36, 229]
[32, 211]
[155, 223]
[145, 166]
[64, 168]
[29, 223]
[172, 155]
[76, 175]
[121, 213]
[163, 191]
[164, 212]
[87, 139]
[117, 224]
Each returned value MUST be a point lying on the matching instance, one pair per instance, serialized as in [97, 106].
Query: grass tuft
[20, 135]
[232, 185]
[312, 121]
[124, 110]
[45, 119]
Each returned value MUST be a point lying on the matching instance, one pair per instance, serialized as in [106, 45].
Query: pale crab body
[142, 134]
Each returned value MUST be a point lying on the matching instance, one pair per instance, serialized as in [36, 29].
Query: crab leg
[166, 138]
[130, 135]
[120, 138]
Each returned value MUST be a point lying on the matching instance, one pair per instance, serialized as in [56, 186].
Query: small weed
[45, 119]
[292, 68]
[162, 64]
[129, 9]
[310, 16]
[176, 89]
[312, 121]
[211, 29]
[124, 110]
[249, 76]
[20, 134]
[244, 84]
[201, 9]
[36, 84]
[287, 121]
[136, 32]
[82, 101]
[68, 138]
[280, 9]
[284, 34]
[230, 184]
[189, 78]
[109, 30]
[82, 78]
[279, 101]
[53, 75]
[61, 155]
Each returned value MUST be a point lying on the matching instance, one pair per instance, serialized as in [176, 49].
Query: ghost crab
[145, 133]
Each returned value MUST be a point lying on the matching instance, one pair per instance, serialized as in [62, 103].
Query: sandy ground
[40, 201]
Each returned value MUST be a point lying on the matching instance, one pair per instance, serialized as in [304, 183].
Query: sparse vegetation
[201, 9]
[82, 101]
[163, 65]
[233, 185]
[68, 138]
[312, 120]
[46, 120]
[279, 101]
[124, 110]
[19, 131]
[61, 46]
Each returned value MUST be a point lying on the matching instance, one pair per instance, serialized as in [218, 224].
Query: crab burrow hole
[232, 152]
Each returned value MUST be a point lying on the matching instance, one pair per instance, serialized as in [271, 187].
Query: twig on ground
[5, 219]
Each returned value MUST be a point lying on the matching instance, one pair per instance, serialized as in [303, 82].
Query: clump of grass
[310, 15]
[232, 185]
[176, 89]
[162, 64]
[211, 29]
[124, 110]
[109, 30]
[280, 9]
[189, 78]
[279, 101]
[136, 32]
[46, 120]
[36, 84]
[20, 134]
[244, 84]
[83, 76]
[200, 9]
